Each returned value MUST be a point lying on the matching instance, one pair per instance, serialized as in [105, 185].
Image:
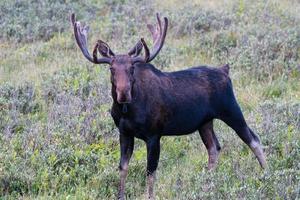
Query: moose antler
[158, 35]
[81, 39]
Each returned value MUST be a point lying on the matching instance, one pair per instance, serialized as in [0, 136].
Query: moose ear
[136, 50]
[104, 49]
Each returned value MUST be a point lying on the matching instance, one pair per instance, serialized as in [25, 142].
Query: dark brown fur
[149, 104]
[179, 103]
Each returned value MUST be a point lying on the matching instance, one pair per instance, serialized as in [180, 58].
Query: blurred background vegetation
[58, 141]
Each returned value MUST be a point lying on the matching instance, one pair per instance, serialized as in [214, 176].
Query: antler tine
[147, 52]
[81, 39]
[158, 36]
[159, 23]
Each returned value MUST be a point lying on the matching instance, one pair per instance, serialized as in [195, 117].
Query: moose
[149, 103]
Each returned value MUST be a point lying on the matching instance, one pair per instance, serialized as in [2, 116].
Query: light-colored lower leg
[259, 153]
[150, 185]
[213, 155]
[123, 175]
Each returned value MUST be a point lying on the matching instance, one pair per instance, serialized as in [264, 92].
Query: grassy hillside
[58, 141]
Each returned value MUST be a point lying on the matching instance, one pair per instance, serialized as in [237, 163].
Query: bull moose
[149, 103]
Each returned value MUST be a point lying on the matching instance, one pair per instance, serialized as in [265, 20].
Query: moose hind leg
[235, 119]
[211, 143]
[256, 147]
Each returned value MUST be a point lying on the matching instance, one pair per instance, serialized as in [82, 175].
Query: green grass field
[58, 140]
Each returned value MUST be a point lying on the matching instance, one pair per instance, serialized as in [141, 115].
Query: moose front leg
[126, 147]
[153, 150]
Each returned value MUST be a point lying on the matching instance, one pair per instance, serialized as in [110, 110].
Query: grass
[58, 141]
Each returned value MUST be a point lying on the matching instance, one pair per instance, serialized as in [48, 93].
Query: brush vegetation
[58, 141]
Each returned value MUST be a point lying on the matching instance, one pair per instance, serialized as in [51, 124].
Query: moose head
[122, 65]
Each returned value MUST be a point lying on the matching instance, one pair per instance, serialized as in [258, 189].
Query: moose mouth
[124, 101]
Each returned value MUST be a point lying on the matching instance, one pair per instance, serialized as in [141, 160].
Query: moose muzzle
[124, 95]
